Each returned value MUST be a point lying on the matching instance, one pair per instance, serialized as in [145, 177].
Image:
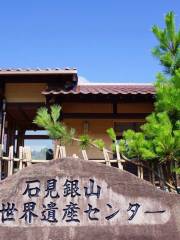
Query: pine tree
[168, 49]
[159, 140]
[50, 121]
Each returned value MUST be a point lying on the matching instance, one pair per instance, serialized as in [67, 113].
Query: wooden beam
[104, 115]
[109, 98]
[37, 77]
[29, 137]
[25, 105]
[20, 138]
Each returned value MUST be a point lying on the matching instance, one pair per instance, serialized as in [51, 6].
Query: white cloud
[83, 80]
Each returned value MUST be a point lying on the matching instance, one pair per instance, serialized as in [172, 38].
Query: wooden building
[90, 108]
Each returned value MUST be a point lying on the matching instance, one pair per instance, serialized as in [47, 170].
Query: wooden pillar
[11, 130]
[2, 104]
[2, 120]
[1, 115]
[10, 143]
[1, 123]
[20, 138]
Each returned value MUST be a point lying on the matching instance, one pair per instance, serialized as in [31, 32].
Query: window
[119, 127]
[41, 146]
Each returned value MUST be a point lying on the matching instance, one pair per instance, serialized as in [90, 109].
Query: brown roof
[113, 89]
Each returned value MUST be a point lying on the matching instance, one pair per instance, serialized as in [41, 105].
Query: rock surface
[73, 199]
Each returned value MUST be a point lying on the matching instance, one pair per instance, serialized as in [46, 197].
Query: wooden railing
[24, 159]
[11, 164]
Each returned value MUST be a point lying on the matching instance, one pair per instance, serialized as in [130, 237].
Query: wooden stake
[1, 154]
[84, 153]
[142, 173]
[106, 156]
[29, 158]
[62, 152]
[57, 151]
[21, 150]
[120, 166]
[10, 160]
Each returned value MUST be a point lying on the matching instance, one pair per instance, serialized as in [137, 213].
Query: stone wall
[75, 199]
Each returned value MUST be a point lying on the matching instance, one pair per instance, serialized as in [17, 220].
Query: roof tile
[105, 89]
[34, 69]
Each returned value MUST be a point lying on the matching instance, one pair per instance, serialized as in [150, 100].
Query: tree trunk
[162, 179]
[152, 174]
[169, 177]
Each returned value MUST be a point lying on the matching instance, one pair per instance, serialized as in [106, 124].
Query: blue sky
[106, 40]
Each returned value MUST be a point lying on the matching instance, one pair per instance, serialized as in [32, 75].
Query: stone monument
[73, 199]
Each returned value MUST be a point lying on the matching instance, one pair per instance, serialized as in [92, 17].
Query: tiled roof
[116, 89]
[36, 70]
